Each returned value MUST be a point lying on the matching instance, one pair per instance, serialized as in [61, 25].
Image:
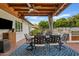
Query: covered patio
[39, 9]
[20, 10]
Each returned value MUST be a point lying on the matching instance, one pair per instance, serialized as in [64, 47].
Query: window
[18, 26]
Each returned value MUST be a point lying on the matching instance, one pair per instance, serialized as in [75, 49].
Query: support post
[50, 21]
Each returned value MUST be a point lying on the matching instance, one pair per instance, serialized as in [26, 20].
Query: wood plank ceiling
[43, 8]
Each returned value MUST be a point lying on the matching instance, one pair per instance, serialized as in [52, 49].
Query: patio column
[50, 21]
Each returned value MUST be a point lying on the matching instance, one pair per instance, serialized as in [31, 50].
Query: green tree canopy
[35, 31]
[67, 22]
[43, 24]
[61, 23]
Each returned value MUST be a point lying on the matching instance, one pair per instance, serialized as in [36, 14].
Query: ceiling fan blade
[30, 10]
[29, 5]
[36, 10]
[33, 10]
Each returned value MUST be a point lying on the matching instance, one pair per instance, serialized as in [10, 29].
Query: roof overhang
[21, 9]
[43, 8]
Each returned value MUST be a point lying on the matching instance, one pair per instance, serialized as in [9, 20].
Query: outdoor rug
[44, 51]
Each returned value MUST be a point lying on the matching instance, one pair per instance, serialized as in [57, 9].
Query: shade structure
[42, 9]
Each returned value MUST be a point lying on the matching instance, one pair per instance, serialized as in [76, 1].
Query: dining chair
[63, 41]
[54, 39]
[29, 42]
[39, 40]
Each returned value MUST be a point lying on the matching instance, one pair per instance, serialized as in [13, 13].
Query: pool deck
[74, 46]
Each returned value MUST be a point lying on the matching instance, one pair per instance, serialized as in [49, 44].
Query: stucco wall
[8, 16]
[20, 35]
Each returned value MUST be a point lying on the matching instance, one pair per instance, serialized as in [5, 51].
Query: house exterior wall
[20, 35]
[8, 16]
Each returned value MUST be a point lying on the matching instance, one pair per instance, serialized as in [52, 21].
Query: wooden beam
[34, 14]
[17, 5]
[39, 7]
[21, 9]
[35, 4]
[61, 9]
[6, 8]
[36, 9]
[41, 12]
[47, 4]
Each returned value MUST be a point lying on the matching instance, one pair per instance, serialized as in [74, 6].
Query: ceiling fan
[31, 8]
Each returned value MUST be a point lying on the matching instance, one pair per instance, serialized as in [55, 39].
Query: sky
[70, 11]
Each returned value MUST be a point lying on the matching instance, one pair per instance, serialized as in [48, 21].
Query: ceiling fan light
[31, 9]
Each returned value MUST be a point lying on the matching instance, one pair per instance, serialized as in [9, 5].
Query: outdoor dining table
[50, 39]
[54, 38]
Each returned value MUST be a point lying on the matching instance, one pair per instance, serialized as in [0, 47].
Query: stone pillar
[50, 21]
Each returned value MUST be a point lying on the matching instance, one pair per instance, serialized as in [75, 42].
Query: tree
[74, 20]
[77, 24]
[68, 22]
[62, 22]
[43, 25]
[35, 32]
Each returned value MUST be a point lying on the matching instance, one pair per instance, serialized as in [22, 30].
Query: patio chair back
[25, 36]
[28, 40]
[64, 38]
[54, 38]
[39, 39]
